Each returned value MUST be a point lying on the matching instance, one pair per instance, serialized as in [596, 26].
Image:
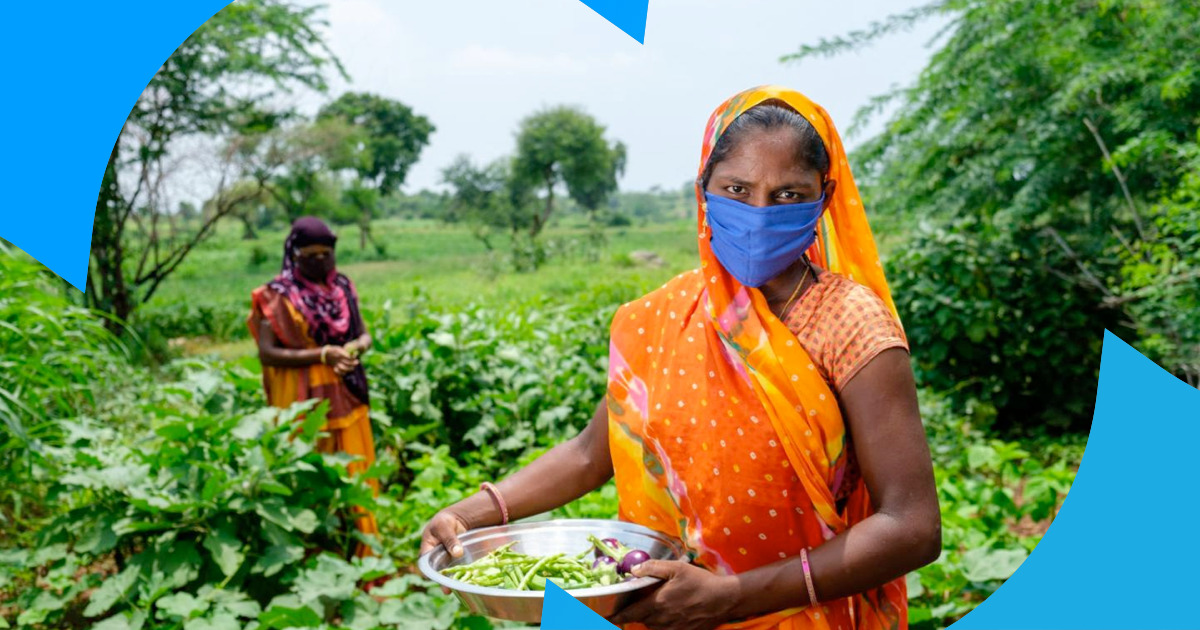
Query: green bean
[539, 565]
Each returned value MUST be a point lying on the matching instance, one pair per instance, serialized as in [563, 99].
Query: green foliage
[1158, 280]
[485, 199]
[267, 47]
[210, 516]
[1048, 141]
[208, 296]
[293, 165]
[492, 384]
[989, 332]
[55, 358]
[566, 146]
[996, 497]
[393, 137]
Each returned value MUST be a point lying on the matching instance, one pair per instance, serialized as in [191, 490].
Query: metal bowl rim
[616, 589]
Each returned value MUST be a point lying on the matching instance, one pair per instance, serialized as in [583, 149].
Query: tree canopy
[266, 47]
[1043, 151]
[564, 145]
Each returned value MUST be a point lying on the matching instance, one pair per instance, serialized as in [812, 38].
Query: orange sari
[347, 423]
[722, 431]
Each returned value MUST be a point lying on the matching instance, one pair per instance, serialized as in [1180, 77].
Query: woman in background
[309, 332]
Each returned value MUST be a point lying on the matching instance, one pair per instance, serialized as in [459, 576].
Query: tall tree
[267, 46]
[391, 141]
[566, 146]
[294, 164]
[484, 198]
[1044, 145]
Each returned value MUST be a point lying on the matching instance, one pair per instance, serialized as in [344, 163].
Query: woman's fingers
[345, 366]
[443, 530]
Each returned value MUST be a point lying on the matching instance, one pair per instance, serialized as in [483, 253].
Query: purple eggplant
[631, 560]
[603, 560]
[612, 543]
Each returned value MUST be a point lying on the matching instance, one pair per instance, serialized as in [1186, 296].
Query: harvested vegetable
[505, 568]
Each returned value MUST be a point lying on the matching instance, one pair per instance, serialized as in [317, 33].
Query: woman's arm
[565, 473]
[903, 534]
[363, 342]
[273, 353]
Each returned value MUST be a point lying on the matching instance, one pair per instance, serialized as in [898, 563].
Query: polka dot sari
[722, 429]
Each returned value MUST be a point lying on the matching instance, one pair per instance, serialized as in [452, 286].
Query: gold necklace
[795, 292]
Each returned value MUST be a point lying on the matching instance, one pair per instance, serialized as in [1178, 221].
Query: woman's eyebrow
[798, 185]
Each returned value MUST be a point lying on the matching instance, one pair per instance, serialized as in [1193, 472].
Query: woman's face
[315, 262]
[765, 169]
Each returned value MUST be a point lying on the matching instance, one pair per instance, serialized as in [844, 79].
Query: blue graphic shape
[73, 75]
[627, 15]
[1122, 551]
[560, 611]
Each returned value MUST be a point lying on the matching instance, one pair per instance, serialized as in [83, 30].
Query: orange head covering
[721, 431]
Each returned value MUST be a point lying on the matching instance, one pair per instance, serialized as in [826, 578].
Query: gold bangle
[324, 349]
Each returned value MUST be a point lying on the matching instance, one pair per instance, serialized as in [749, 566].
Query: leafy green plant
[55, 357]
[997, 499]
[492, 384]
[1008, 335]
[189, 521]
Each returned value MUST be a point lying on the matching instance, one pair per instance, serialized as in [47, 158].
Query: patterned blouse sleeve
[867, 328]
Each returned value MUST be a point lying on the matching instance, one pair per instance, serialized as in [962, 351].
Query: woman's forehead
[764, 154]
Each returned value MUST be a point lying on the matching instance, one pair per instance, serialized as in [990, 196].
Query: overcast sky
[476, 67]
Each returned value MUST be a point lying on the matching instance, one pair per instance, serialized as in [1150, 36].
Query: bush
[56, 361]
[258, 257]
[492, 384]
[219, 321]
[988, 324]
[212, 517]
[997, 499]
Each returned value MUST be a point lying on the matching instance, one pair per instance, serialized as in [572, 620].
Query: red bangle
[495, 492]
[812, 593]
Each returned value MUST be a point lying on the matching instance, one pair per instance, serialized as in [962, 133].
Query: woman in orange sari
[309, 332]
[761, 407]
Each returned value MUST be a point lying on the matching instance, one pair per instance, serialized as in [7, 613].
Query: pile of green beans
[508, 569]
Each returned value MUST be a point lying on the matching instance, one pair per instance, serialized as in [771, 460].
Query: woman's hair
[767, 116]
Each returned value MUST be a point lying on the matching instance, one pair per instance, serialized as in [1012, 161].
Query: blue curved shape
[560, 611]
[627, 15]
[1123, 550]
[74, 72]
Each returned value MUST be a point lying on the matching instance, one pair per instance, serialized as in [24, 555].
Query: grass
[445, 263]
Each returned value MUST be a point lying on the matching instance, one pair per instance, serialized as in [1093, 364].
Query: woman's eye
[737, 190]
[788, 195]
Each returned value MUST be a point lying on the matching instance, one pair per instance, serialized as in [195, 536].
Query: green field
[443, 263]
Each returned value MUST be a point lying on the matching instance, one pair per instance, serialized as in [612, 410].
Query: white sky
[476, 67]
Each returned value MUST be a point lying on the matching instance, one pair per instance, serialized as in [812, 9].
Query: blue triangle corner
[627, 15]
[560, 611]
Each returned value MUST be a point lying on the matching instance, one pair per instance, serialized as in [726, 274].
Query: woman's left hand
[691, 598]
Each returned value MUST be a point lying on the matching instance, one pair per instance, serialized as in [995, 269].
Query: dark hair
[766, 116]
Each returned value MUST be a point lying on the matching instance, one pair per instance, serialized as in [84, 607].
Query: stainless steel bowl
[546, 538]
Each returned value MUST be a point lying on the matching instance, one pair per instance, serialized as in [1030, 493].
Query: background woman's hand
[443, 529]
[691, 598]
[340, 360]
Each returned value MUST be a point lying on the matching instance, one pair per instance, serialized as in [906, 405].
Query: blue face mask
[757, 244]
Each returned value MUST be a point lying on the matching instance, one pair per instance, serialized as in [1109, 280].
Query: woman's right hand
[443, 529]
[340, 360]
